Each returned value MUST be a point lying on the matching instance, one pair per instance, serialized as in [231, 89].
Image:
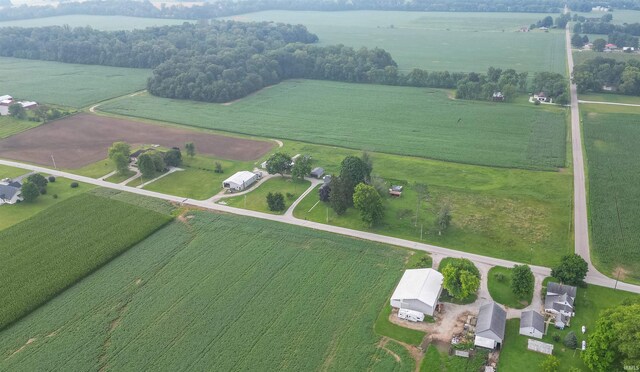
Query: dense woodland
[230, 7]
[596, 74]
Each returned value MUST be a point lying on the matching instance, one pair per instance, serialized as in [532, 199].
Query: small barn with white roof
[418, 290]
[240, 181]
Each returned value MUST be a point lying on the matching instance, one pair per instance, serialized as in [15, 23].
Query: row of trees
[625, 35]
[34, 186]
[482, 86]
[594, 74]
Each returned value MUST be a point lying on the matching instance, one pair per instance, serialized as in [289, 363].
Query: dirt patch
[29, 341]
[84, 139]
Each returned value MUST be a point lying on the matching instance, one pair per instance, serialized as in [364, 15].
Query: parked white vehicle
[410, 315]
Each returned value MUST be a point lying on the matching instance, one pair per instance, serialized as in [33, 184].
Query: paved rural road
[435, 250]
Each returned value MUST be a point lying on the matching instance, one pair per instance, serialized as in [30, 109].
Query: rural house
[418, 290]
[240, 181]
[317, 172]
[10, 191]
[541, 97]
[497, 96]
[531, 324]
[490, 327]
[559, 302]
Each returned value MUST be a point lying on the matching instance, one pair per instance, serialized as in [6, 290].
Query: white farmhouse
[418, 290]
[240, 181]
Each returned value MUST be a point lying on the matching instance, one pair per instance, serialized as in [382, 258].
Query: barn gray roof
[532, 319]
[491, 321]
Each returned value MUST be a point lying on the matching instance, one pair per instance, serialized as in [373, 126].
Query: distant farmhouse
[7, 100]
[542, 97]
[559, 302]
[10, 191]
[418, 290]
[492, 320]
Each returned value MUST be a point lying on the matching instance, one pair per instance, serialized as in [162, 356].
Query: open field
[10, 126]
[83, 139]
[54, 249]
[104, 23]
[501, 291]
[56, 192]
[218, 290]
[401, 120]
[436, 41]
[41, 81]
[613, 154]
[619, 16]
[589, 303]
[519, 215]
[579, 57]
[257, 199]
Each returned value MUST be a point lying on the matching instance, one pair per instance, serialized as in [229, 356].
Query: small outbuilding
[492, 320]
[240, 181]
[418, 290]
[531, 324]
[317, 172]
[396, 190]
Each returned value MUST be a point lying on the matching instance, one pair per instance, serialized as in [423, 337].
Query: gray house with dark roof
[10, 192]
[531, 324]
[492, 320]
[559, 302]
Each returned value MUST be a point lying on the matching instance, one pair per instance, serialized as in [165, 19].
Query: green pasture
[436, 360]
[67, 84]
[401, 120]
[606, 97]
[10, 126]
[501, 292]
[519, 215]
[613, 155]
[103, 23]
[224, 292]
[581, 56]
[257, 199]
[590, 302]
[95, 170]
[56, 192]
[436, 41]
[51, 251]
[117, 178]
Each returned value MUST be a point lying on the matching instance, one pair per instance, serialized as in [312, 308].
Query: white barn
[492, 320]
[418, 290]
[240, 181]
[531, 324]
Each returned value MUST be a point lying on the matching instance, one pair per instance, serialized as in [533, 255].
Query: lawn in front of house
[256, 200]
[500, 290]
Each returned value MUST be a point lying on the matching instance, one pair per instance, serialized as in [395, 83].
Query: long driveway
[438, 252]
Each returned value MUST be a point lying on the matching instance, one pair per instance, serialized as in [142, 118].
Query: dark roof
[532, 319]
[9, 191]
[397, 188]
[560, 289]
[491, 319]
[318, 171]
[138, 153]
[558, 295]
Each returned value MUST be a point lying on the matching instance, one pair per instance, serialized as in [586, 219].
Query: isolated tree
[550, 364]
[572, 269]
[422, 193]
[173, 157]
[444, 219]
[190, 147]
[571, 340]
[324, 193]
[577, 41]
[119, 153]
[278, 163]
[599, 44]
[39, 180]
[366, 158]
[29, 191]
[367, 200]
[522, 280]
[301, 168]
[275, 202]
[16, 110]
[613, 343]
[146, 166]
[353, 171]
[218, 168]
[340, 196]
[461, 278]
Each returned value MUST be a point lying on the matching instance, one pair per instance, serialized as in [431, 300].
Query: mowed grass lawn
[47, 253]
[436, 41]
[590, 302]
[104, 23]
[67, 84]
[581, 56]
[10, 126]
[257, 199]
[400, 120]
[501, 291]
[222, 292]
[613, 155]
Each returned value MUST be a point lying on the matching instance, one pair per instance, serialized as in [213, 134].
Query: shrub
[570, 340]
[43, 190]
[52, 179]
[74, 185]
[55, 196]
[275, 201]
[556, 337]
[500, 277]
[290, 195]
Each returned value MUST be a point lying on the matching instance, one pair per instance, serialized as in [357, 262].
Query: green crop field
[10, 126]
[613, 155]
[105, 23]
[401, 120]
[437, 41]
[67, 84]
[214, 291]
[47, 253]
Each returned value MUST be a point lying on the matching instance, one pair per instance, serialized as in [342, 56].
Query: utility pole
[54, 162]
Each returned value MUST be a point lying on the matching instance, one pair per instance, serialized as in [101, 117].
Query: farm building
[531, 324]
[10, 192]
[418, 290]
[490, 327]
[317, 172]
[396, 190]
[497, 96]
[5, 102]
[559, 302]
[240, 181]
[541, 97]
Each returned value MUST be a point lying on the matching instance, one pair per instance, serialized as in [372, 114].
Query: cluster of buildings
[10, 191]
[7, 100]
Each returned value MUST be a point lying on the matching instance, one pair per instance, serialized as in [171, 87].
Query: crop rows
[218, 292]
[613, 154]
[54, 249]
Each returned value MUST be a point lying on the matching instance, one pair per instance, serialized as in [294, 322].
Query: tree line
[595, 74]
[625, 35]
